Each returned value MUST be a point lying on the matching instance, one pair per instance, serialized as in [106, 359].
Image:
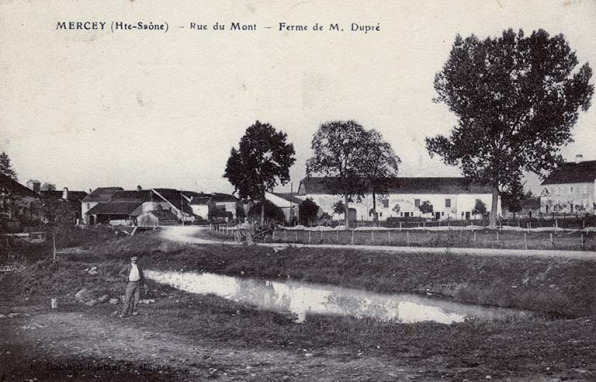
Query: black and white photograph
[326, 191]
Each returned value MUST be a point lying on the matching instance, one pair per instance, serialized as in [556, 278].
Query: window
[571, 190]
[406, 214]
[416, 202]
[442, 213]
[447, 203]
[380, 214]
[385, 203]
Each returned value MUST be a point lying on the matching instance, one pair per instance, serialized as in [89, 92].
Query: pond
[303, 299]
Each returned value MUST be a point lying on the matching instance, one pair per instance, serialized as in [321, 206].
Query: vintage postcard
[297, 190]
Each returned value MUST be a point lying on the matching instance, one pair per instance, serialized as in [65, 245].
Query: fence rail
[480, 238]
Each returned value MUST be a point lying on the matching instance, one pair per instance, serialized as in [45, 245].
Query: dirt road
[87, 344]
[192, 235]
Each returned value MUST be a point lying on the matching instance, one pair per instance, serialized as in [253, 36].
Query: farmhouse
[570, 188]
[450, 198]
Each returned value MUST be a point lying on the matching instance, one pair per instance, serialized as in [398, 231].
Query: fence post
[285, 235]
[372, 236]
[583, 242]
[525, 240]
[552, 242]
[474, 236]
[308, 236]
[296, 232]
[352, 237]
[400, 226]
[321, 236]
[389, 236]
[273, 235]
[408, 238]
[497, 236]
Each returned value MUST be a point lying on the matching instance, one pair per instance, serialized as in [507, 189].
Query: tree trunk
[347, 211]
[54, 245]
[375, 218]
[493, 208]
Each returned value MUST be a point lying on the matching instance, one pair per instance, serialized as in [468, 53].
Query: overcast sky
[86, 109]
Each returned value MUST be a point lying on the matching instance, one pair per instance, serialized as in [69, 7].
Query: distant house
[225, 202]
[18, 203]
[112, 204]
[202, 206]
[450, 198]
[287, 202]
[570, 188]
[99, 195]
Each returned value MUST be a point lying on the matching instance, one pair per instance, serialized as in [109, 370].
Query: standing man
[136, 279]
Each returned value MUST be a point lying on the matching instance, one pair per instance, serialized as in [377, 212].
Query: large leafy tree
[379, 166]
[337, 154]
[6, 166]
[261, 162]
[516, 99]
[308, 211]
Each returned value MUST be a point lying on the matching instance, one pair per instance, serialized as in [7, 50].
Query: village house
[570, 188]
[156, 206]
[449, 197]
[215, 206]
[287, 202]
[18, 204]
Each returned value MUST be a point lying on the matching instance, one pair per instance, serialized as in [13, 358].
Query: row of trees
[355, 160]
[515, 97]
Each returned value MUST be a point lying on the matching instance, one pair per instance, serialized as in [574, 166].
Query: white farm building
[450, 198]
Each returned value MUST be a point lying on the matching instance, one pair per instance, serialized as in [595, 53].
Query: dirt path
[188, 235]
[65, 338]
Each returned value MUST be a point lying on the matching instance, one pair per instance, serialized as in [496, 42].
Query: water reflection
[304, 298]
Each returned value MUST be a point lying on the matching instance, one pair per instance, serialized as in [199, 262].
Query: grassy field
[205, 337]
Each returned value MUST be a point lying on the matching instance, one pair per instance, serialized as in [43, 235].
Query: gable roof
[223, 198]
[174, 197]
[15, 188]
[102, 194]
[413, 185]
[571, 172]
[119, 208]
[132, 196]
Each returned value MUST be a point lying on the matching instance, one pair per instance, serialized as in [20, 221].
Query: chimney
[65, 193]
[579, 158]
[139, 188]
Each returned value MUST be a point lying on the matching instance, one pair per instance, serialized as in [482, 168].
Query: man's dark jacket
[125, 272]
